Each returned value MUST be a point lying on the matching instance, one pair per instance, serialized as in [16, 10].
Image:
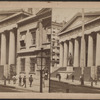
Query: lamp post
[82, 52]
[41, 64]
[41, 68]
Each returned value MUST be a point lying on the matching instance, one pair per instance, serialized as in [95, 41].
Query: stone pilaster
[40, 32]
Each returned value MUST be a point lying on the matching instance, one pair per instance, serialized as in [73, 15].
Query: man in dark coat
[72, 78]
[20, 80]
[24, 81]
[30, 80]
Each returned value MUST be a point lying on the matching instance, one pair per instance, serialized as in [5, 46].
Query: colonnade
[8, 48]
[74, 46]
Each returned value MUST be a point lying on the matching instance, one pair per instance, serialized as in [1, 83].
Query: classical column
[65, 53]
[90, 50]
[76, 53]
[61, 54]
[81, 58]
[11, 47]
[98, 49]
[71, 47]
[3, 49]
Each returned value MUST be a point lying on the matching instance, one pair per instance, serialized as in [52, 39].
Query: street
[10, 89]
[69, 88]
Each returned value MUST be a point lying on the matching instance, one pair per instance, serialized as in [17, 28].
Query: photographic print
[50, 50]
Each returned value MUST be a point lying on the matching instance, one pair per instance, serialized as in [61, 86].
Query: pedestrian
[73, 78]
[14, 80]
[20, 80]
[30, 80]
[24, 81]
[4, 78]
[95, 79]
[91, 80]
[82, 79]
[67, 76]
[43, 81]
[8, 79]
[59, 77]
[46, 75]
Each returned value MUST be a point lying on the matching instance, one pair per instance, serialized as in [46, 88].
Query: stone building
[34, 33]
[8, 39]
[71, 42]
[56, 27]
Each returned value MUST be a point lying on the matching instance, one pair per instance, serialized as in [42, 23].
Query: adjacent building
[34, 33]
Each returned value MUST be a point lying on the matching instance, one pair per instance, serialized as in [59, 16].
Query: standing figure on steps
[70, 59]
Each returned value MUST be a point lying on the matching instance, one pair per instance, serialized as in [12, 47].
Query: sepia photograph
[49, 50]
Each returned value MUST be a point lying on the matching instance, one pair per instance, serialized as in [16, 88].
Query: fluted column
[65, 53]
[98, 49]
[3, 49]
[84, 53]
[11, 47]
[61, 54]
[71, 47]
[76, 53]
[90, 51]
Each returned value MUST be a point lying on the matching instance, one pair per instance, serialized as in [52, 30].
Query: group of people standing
[24, 81]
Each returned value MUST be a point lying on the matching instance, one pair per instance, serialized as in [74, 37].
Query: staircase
[76, 73]
[53, 74]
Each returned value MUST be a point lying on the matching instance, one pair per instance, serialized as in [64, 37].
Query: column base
[69, 69]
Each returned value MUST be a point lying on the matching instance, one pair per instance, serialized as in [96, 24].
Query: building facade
[71, 43]
[56, 27]
[34, 33]
[8, 39]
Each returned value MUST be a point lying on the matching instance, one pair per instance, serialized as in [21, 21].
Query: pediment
[77, 20]
[43, 10]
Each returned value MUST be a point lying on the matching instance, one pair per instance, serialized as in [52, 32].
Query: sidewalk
[77, 82]
[35, 86]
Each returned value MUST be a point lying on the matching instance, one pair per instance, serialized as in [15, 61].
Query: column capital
[40, 20]
[13, 30]
[61, 42]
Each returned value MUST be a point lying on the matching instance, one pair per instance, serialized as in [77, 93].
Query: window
[49, 37]
[54, 32]
[57, 42]
[33, 40]
[53, 44]
[22, 39]
[22, 64]
[32, 65]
